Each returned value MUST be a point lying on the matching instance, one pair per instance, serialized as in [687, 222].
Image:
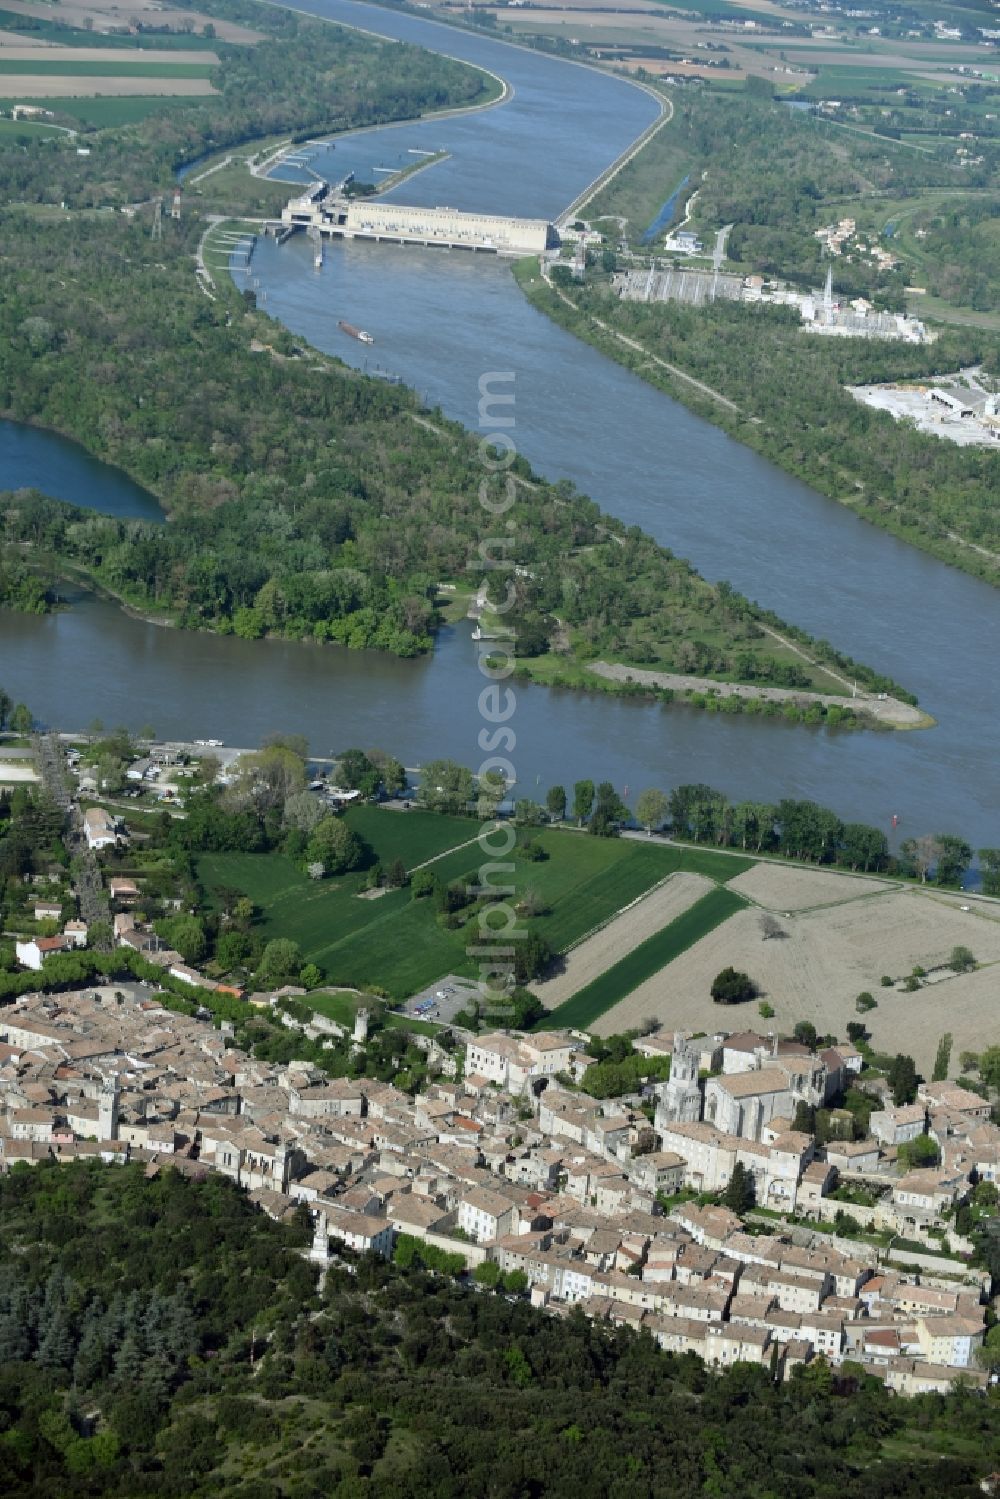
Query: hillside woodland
[163, 1337]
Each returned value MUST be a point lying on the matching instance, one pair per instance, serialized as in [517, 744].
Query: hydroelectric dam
[322, 210]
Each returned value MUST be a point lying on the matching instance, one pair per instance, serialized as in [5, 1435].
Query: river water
[33, 459]
[441, 320]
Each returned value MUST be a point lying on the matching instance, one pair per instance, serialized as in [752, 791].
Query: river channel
[442, 320]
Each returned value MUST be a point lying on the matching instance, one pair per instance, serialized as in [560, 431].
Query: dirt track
[595, 954]
[888, 710]
[47, 86]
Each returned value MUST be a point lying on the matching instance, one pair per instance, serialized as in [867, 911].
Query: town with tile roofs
[618, 1207]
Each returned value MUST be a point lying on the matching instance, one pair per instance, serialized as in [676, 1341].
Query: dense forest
[304, 499]
[162, 1337]
[962, 249]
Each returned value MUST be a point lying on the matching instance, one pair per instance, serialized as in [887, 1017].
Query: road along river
[442, 320]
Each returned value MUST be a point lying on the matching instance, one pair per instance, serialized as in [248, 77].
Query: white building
[513, 1062]
[358, 1231]
[680, 1101]
[32, 954]
[922, 1196]
[485, 1215]
[743, 1103]
[896, 1126]
[949, 1340]
[101, 829]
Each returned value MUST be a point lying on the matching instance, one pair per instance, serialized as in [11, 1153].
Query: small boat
[358, 333]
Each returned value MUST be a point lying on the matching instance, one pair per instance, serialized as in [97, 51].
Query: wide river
[441, 321]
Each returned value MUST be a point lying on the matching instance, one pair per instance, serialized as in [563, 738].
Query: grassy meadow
[107, 113]
[395, 943]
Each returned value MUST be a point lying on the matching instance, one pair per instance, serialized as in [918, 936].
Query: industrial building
[321, 209]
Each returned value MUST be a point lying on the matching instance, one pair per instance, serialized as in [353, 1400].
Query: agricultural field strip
[41, 87]
[14, 50]
[600, 949]
[827, 957]
[778, 887]
[138, 67]
[644, 965]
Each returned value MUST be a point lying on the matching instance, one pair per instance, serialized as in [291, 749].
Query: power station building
[319, 209]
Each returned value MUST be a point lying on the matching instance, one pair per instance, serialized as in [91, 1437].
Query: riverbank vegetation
[304, 499]
[777, 176]
[128, 1368]
[793, 407]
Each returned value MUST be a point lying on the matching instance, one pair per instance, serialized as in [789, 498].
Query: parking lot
[442, 1000]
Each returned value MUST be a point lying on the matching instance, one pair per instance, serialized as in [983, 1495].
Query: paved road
[87, 881]
[719, 253]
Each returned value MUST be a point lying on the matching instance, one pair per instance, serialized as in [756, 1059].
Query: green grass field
[411, 836]
[108, 113]
[644, 961]
[343, 1007]
[396, 943]
[721, 8]
[28, 129]
[857, 83]
[58, 67]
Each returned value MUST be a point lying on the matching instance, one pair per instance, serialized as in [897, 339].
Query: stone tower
[361, 1027]
[319, 1253]
[107, 1109]
[680, 1102]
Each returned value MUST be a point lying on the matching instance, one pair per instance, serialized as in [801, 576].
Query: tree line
[796, 829]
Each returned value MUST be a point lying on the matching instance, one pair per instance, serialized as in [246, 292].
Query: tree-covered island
[304, 499]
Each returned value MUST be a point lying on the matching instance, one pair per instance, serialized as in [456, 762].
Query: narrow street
[87, 882]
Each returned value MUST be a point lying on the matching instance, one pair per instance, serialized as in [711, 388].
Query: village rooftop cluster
[507, 1162]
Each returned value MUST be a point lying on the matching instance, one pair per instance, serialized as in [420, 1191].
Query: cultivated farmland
[599, 952]
[827, 956]
[45, 86]
[628, 976]
[396, 943]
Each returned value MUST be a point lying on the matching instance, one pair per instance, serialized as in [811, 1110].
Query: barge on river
[358, 333]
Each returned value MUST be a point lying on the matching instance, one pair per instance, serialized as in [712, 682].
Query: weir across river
[324, 211]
